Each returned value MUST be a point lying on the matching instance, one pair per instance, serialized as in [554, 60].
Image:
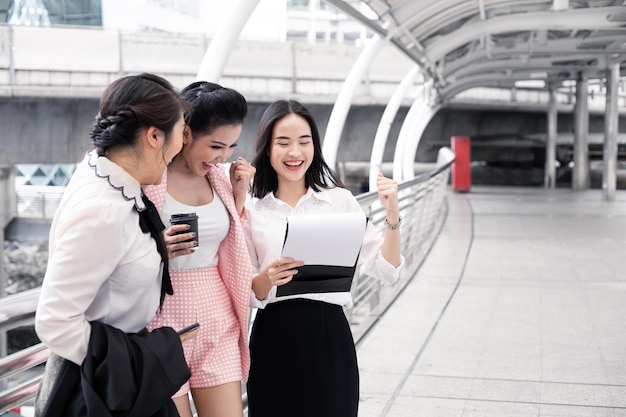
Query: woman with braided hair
[107, 268]
[211, 274]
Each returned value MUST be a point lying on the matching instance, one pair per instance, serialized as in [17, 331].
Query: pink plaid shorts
[213, 355]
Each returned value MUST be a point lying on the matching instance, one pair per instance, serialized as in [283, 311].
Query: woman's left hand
[241, 173]
[387, 193]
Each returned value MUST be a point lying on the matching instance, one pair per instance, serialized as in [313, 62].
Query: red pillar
[461, 173]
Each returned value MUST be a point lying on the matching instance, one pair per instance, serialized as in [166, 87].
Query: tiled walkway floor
[519, 310]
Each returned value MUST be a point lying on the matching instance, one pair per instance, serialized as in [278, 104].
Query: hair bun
[104, 131]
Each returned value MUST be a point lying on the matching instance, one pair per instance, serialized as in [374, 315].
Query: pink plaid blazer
[233, 257]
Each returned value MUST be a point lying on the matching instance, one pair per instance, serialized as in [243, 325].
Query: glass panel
[297, 4]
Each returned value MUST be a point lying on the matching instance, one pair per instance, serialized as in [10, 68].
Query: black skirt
[303, 362]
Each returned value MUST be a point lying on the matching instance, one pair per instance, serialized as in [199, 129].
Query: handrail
[40, 202]
[24, 359]
[285, 68]
[423, 209]
[17, 396]
[18, 309]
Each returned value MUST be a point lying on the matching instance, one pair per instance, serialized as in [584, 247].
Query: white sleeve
[248, 233]
[254, 259]
[371, 260]
[87, 247]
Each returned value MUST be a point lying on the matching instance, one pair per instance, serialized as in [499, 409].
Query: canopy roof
[461, 44]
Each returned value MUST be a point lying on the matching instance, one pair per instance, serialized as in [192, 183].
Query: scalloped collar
[117, 178]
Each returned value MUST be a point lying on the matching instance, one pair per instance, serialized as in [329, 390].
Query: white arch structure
[342, 105]
[458, 45]
[386, 120]
[224, 40]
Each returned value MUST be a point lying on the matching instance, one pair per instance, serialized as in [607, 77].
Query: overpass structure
[423, 59]
[51, 79]
[426, 55]
[549, 44]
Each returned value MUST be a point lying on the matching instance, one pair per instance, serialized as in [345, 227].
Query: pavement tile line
[494, 401]
[488, 396]
[532, 381]
[390, 402]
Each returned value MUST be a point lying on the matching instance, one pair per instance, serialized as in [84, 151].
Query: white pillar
[403, 136]
[550, 168]
[382, 133]
[224, 40]
[424, 116]
[609, 158]
[580, 174]
[415, 122]
[342, 105]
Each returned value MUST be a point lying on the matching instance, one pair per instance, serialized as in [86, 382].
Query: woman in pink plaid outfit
[211, 274]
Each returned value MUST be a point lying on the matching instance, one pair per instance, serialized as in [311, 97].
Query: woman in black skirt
[303, 359]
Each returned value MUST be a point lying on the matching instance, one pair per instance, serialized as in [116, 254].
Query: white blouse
[265, 233]
[213, 223]
[101, 266]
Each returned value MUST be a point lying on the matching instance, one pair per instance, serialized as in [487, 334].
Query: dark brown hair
[132, 103]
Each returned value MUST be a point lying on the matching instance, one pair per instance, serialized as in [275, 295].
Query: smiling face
[202, 152]
[291, 151]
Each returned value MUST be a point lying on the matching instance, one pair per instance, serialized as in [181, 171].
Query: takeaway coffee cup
[186, 218]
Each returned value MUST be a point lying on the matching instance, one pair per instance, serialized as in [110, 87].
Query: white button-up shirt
[101, 266]
[265, 234]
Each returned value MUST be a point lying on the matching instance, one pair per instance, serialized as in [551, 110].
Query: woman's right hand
[280, 271]
[176, 243]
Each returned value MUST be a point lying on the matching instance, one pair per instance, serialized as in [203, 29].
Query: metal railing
[38, 202]
[423, 208]
[19, 310]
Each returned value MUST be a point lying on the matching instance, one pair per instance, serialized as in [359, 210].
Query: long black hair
[318, 175]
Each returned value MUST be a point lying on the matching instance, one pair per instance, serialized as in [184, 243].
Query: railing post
[43, 205]
[11, 58]
[8, 210]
